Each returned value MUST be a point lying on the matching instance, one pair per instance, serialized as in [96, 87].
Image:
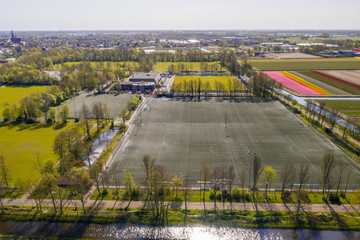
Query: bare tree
[231, 177]
[332, 117]
[322, 111]
[341, 170]
[242, 180]
[205, 174]
[85, 112]
[303, 178]
[326, 167]
[257, 170]
[148, 166]
[286, 176]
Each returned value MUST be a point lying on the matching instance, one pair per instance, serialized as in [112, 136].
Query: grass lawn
[210, 80]
[305, 64]
[13, 95]
[126, 66]
[194, 196]
[332, 82]
[20, 144]
[347, 107]
[188, 66]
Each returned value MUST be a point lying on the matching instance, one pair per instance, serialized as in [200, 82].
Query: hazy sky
[181, 14]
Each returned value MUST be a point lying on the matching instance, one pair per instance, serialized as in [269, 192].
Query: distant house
[259, 54]
[141, 82]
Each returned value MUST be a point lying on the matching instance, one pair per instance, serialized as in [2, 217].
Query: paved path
[198, 205]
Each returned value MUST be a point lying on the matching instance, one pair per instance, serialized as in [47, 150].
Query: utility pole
[251, 160]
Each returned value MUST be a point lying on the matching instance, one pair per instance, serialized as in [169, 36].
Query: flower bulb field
[335, 82]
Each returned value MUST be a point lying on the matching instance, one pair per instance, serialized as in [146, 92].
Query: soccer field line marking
[231, 156]
[302, 153]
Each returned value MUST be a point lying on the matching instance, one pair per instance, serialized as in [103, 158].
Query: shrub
[236, 194]
[287, 196]
[334, 198]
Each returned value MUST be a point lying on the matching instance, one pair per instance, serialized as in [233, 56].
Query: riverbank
[177, 217]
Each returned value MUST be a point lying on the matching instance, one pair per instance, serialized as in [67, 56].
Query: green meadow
[13, 95]
[21, 143]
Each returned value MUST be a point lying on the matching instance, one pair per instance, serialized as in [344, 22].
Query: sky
[25, 15]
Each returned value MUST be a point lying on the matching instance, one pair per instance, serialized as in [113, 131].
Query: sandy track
[347, 75]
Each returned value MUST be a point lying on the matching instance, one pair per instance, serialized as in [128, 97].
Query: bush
[236, 194]
[342, 193]
[334, 198]
[287, 196]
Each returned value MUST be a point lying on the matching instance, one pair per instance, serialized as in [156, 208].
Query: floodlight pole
[251, 158]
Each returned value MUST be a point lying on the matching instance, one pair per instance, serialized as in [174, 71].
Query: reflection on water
[126, 231]
[99, 146]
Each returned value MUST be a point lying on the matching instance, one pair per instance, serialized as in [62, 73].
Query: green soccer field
[13, 95]
[182, 135]
[305, 64]
[20, 144]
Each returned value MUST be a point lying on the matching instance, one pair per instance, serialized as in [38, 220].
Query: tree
[326, 167]
[64, 113]
[205, 174]
[85, 113]
[287, 176]
[177, 184]
[303, 178]
[5, 175]
[257, 170]
[231, 177]
[80, 183]
[59, 146]
[268, 177]
[130, 185]
[333, 117]
[123, 114]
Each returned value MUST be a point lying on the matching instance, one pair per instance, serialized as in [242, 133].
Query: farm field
[182, 135]
[209, 81]
[13, 95]
[349, 76]
[305, 64]
[20, 144]
[116, 103]
[290, 55]
[347, 107]
[188, 66]
[131, 66]
[332, 81]
[296, 84]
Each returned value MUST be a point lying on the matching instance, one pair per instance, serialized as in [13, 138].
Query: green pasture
[13, 95]
[188, 66]
[265, 64]
[125, 66]
[208, 83]
[20, 144]
[347, 107]
[332, 82]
